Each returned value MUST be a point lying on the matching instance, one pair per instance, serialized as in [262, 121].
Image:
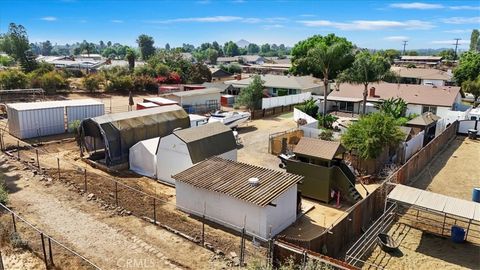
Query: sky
[371, 24]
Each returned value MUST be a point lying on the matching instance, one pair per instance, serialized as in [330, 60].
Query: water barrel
[458, 234]
[476, 195]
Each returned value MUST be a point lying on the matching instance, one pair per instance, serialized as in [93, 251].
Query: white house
[238, 195]
[419, 98]
[424, 76]
[186, 147]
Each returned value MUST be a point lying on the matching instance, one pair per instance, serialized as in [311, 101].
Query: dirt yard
[455, 171]
[421, 250]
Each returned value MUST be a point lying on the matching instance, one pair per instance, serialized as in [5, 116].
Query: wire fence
[52, 252]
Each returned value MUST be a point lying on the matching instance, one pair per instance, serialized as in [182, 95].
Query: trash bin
[472, 133]
[458, 234]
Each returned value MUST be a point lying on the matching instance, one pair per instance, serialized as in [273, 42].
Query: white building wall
[284, 213]
[200, 99]
[231, 155]
[443, 112]
[433, 82]
[232, 213]
[172, 157]
[414, 108]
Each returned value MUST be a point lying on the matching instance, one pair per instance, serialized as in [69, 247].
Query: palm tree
[366, 69]
[130, 56]
[329, 61]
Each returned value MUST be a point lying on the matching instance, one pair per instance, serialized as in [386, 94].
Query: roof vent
[253, 181]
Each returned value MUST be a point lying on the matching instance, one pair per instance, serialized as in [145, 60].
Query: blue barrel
[458, 234]
[476, 195]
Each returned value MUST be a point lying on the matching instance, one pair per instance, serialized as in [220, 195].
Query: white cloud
[416, 5]
[396, 38]
[458, 31]
[462, 20]
[221, 19]
[49, 18]
[117, 21]
[450, 42]
[370, 25]
[465, 7]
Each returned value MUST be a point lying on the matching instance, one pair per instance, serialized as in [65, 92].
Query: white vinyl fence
[413, 145]
[297, 114]
[453, 116]
[464, 126]
[440, 127]
[273, 102]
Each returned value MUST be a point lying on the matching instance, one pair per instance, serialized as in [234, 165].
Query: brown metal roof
[231, 178]
[318, 148]
[424, 120]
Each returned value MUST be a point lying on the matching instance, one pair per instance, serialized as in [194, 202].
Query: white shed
[36, 119]
[196, 97]
[186, 147]
[235, 195]
[142, 157]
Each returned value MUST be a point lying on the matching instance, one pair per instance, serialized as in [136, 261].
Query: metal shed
[36, 119]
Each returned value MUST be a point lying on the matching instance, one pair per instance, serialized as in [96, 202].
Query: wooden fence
[275, 140]
[334, 241]
[258, 114]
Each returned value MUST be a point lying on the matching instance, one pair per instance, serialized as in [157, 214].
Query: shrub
[145, 70]
[50, 82]
[326, 135]
[145, 83]
[120, 83]
[326, 121]
[92, 82]
[17, 241]
[42, 68]
[3, 192]
[309, 107]
[13, 79]
[6, 61]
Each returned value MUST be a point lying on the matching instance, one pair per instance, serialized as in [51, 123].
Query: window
[432, 109]
[345, 106]
[292, 91]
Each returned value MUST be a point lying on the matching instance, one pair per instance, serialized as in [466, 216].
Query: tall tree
[167, 47]
[251, 96]
[366, 69]
[145, 43]
[468, 67]
[472, 87]
[231, 49]
[265, 48]
[217, 47]
[109, 43]
[253, 48]
[474, 41]
[15, 44]
[130, 56]
[212, 55]
[323, 57]
[47, 47]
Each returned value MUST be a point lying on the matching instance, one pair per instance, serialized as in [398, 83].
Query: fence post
[18, 149]
[203, 222]
[38, 161]
[116, 193]
[58, 167]
[85, 180]
[154, 211]
[50, 250]
[44, 252]
[14, 224]
[242, 247]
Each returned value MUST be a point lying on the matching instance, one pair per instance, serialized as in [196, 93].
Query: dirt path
[97, 234]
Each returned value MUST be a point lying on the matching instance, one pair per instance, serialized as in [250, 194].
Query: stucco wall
[200, 99]
[232, 213]
[414, 108]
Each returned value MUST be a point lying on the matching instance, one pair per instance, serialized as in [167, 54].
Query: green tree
[253, 48]
[167, 47]
[371, 134]
[448, 54]
[474, 41]
[13, 79]
[145, 43]
[212, 55]
[15, 44]
[87, 47]
[92, 82]
[468, 67]
[130, 56]
[324, 57]
[251, 96]
[231, 49]
[6, 61]
[391, 54]
[47, 47]
[309, 107]
[395, 107]
[366, 69]
[472, 87]
[198, 73]
[265, 48]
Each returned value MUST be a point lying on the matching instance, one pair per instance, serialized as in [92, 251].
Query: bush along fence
[357, 219]
[23, 234]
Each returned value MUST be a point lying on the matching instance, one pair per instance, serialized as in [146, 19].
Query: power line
[404, 45]
[456, 46]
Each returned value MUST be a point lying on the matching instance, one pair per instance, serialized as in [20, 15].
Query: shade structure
[142, 157]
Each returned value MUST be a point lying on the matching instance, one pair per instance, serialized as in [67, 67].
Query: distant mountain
[242, 43]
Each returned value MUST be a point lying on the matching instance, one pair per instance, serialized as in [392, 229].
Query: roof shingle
[318, 148]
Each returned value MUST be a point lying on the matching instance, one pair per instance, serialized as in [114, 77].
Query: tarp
[120, 131]
[142, 157]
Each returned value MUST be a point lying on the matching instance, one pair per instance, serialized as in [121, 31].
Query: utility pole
[404, 45]
[456, 46]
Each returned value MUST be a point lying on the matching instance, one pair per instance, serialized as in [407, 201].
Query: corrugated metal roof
[160, 100]
[434, 201]
[197, 133]
[134, 114]
[318, 148]
[196, 92]
[52, 104]
[231, 178]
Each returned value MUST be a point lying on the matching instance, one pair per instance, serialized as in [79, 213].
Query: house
[425, 122]
[424, 76]
[108, 138]
[321, 164]
[419, 98]
[238, 195]
[186, 147]
[252, 59]
[69, 62]
[37, 119]
[226, 88]
[420, 60]
[227, 60]
[282, 85]
[197, 101]
[274, 69]
[220, 75]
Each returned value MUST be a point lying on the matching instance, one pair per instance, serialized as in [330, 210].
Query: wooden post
[44, 252]
[242, 247]
[38, 161]
[116, 193]
[50, 251]
[85, 180]
[18, 149]
[203, 222]
[58, 167]
[154, 211]
[14, 224]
